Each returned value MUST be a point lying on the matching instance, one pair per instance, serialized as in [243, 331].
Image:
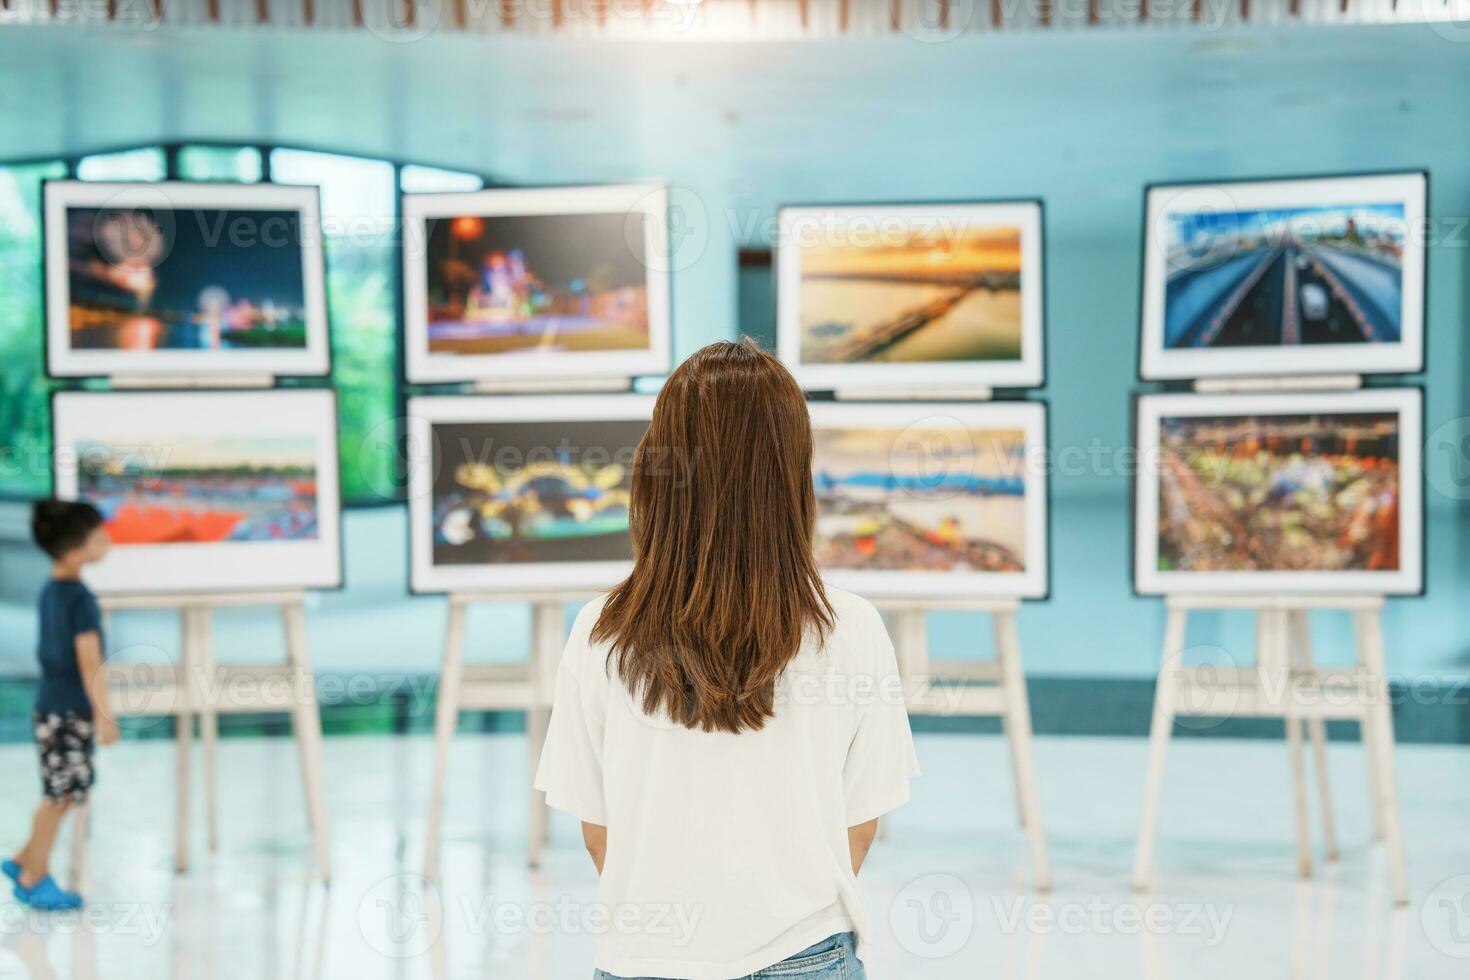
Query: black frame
[1046, 595]
[1137, 396]
[170, 151]
[331, 391]
[1040, 203]
[413, 388]
[413, 590]
[1143, 238]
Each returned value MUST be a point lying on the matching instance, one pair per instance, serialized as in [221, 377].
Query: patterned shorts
[65, 744]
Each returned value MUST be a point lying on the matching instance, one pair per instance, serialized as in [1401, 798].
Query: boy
[71, 694]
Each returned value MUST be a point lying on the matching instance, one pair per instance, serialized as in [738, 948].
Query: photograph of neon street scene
[185, 279]
[1284, 276]
[560, 282]
[511, 492]
[920, 500]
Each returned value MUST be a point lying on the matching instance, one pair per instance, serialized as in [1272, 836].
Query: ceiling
[1080, 117]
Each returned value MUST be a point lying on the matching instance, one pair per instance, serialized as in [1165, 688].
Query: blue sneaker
[11, 869]
[47, 896]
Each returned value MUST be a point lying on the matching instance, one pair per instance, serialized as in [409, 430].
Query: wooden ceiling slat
[846, 21]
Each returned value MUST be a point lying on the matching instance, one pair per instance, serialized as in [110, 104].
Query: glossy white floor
[948, 888]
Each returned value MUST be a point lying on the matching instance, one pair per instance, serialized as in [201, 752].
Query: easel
[527, 687]
[1284, 683]
[994, 688]
[198, 687]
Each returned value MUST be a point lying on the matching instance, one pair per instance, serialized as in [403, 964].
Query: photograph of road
[1284, 276]
[943, 293]
[920, 500]
[1310, 493]
[193, 489]
[526, 283]
[517, 492]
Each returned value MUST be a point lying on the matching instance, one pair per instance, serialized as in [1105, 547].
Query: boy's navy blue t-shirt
[68, 609]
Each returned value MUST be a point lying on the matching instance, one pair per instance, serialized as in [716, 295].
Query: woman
[727, 728]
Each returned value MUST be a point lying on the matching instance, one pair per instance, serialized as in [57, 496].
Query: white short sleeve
[570, 773]
[881, 758]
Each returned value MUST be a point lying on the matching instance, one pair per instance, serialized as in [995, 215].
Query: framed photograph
[1280, 494]
[184, 279]
[911, 295]
[536, 284]
[205, 491]
[932, 500]
[522, 494]
[1284, 277]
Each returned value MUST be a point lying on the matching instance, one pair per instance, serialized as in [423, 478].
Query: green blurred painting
[358, 216]
[25, 423]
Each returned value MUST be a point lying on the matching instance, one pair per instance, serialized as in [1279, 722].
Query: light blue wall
[1082, 119]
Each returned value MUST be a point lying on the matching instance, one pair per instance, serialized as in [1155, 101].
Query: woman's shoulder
[580, 648]
[853, 618]
[588, 615]
[849, 606]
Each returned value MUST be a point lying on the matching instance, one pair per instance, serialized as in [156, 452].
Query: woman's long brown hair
[724, 585]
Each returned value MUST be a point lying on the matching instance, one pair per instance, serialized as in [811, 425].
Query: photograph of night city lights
[537, 283]
[148, 281]
[182, 278]
[544, 282]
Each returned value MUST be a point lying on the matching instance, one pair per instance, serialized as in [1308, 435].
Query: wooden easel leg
[909, 630]
[1372, 739]
[1165, 692]
[446, 715]
[307, 726]
[1273, 660]
[1018, 730]
[1013, 744]
[1301, 631]
[186, 689]
[204, 668]
[538, 823]
[547, 627]
[81, 829]
[1370, 636]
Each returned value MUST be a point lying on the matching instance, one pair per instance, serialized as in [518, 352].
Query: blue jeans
[834, 958]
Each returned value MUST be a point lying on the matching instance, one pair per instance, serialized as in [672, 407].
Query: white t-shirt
[728, 853]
